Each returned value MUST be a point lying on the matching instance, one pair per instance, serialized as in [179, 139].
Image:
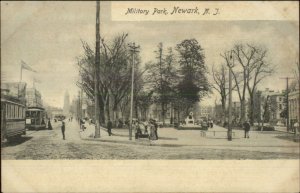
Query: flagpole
[21, 73]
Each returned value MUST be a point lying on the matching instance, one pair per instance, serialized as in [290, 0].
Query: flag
[26, 66]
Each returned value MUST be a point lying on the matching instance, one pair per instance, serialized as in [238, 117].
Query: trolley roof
[35, 109]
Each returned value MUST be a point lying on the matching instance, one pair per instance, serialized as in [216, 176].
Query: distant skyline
[47, 35]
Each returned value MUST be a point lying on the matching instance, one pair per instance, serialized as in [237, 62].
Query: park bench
[203, 133]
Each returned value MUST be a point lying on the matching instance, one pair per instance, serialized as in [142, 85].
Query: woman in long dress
[152, 131]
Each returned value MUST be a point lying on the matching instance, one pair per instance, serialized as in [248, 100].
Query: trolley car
[35, 118]
[12, 117]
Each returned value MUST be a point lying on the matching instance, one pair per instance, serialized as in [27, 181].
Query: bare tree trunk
[171, 113]
[136, 110]
[251, 110]
[107, 109]
[102, 111]
[223, 101]
[243, 111]
[163, 112]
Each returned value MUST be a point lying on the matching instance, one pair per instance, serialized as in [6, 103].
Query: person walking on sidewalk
[63, 129]
[109, 127]
[246, 128]
[152, 135]
[49, 125]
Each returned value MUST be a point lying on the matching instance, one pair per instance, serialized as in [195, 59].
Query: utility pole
[287, 102]
[229, 134]
[298, 117]
[133, 49]
[81, 102]
[97, 64]
[78, 107]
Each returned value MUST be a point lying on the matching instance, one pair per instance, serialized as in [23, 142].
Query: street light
[229, 132]
[133, 49]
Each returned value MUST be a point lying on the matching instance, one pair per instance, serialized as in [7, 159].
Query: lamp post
[133, 49]
[229, 132]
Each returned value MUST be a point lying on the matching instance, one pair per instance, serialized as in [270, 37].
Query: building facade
[269, 106]
[66, 108]
[33, 98]
[277, 105]
[294, 106]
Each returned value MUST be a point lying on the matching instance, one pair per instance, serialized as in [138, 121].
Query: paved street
[172, 144]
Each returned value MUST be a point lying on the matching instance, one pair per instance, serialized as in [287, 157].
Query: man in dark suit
[109, 127]
[63, 129]
[246, 128]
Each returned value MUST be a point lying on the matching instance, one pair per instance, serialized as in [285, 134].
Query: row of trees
[170, 77]
[178, 78]
[249, 65]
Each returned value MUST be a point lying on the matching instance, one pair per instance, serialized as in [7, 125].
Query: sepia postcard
[150, 96]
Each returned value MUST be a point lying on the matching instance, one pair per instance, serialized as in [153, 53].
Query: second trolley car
[35, 118]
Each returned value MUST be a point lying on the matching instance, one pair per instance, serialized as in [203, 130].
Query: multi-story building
[206, 112]
[294, 106]
[277, 105]
[66, 108]
[270, 104]
[14, 89]
[33, 98]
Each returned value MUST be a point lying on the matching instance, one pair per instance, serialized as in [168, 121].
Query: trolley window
[6, 109]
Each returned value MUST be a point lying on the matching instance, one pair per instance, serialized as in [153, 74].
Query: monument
[190, 123]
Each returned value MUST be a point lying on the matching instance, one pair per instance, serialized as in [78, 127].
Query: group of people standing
[141, 129]
[151, 126]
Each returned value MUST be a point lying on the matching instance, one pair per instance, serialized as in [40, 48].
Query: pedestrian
[156, 128]
[246, 128]
[82, 124]
[211, 123]
[49, 125]
[138, 130]
[146, 128]
[152, 135]
[296, 127]
[109, 127]
[63, 129]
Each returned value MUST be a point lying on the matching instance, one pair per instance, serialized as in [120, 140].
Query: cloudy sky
[47, 36]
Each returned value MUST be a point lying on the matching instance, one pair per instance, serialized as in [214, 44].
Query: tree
[143, 101]
[161, 77]
[193, 84]
[115, 74]
[260, 69]
[249, 67]
[220, 78]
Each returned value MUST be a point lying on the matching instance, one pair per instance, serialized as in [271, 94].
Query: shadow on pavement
[16, 141]
[208, 137]
[287, 137]
[168, 138]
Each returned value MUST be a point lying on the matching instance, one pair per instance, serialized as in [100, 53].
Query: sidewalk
[270, 141]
